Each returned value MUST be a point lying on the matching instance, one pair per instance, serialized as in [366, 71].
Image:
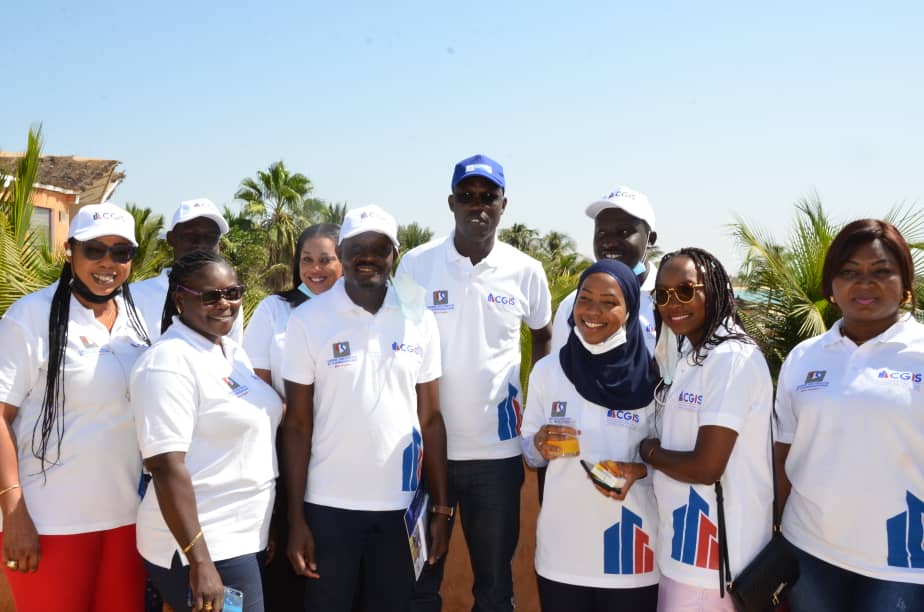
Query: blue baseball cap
[479, 165]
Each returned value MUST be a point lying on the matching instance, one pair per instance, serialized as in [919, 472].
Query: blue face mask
[304, 289]
[639, 268]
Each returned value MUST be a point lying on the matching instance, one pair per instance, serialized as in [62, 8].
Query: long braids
[182, 270]
[721, 309]
[52, 413]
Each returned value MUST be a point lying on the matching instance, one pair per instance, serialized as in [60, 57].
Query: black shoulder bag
[762, 585]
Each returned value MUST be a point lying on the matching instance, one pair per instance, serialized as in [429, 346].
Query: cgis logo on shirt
[441, 301]
[342, 355]
[685, 398]
[814, 379]
[622, 417]
[503, 300]
[400, 347]
[900, 376]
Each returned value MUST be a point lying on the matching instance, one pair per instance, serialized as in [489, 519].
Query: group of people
[148, 435]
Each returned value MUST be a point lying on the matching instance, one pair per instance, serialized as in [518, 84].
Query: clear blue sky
[713, 109]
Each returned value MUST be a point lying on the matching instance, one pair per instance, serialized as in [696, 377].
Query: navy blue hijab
[622, 378]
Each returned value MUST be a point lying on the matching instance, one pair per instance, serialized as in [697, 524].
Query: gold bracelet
[192, 542]
[8, 489]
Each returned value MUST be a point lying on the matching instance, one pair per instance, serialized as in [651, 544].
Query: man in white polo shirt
[363, 422]
[624, 228]
[481, 291]
[197, 225]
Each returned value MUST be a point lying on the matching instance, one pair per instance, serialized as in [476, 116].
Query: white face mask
[617, 339]
[666, 354]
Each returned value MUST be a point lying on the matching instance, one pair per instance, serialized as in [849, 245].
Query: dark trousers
[823, 587]
[359, 551]
[561, 597]
[241, 573]
[488, 497]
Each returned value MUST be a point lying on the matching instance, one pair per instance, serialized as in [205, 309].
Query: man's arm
[297, 428]
[433, 432]
[541, 342]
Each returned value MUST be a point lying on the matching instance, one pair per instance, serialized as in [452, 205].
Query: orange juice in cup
[567, 443]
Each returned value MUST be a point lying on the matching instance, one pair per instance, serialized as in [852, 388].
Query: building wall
[58, 205]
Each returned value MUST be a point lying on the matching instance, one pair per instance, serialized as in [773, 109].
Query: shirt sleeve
[298, 364]
[785, 423]
[540, 300]
[431, 368]
[534, 416]
[258, 336]
[734, 383]
[19, 365]
[164, 403]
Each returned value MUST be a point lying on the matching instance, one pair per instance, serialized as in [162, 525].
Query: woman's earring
[831, 299]
[908, 296]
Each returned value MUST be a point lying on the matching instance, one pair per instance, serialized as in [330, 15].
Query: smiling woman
[69, 461]
[197, 401]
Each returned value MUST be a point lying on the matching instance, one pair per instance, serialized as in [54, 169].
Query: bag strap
[725, 574]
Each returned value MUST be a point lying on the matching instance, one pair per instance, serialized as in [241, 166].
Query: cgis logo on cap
[109, 216]
[619, 194]
[484, 167]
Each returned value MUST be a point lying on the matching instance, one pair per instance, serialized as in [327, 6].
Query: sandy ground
[457, 585]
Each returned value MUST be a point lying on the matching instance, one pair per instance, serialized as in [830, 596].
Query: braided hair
[52, 413]
[180, 274]
[721, 309]
[323, 230]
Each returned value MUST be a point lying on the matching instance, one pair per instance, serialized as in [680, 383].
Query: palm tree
[520, 236]
[787, 276]
[153, 253]
[413, 235]
[334, 213]
[26, 263]
[275, 199]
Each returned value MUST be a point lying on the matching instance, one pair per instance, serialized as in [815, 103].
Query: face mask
[304, 289]
[639, 268]
[666, 354]
[617, 339]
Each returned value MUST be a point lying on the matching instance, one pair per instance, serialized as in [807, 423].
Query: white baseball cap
[369, 219]
[200, 207]
[629, 200]
[96, 220]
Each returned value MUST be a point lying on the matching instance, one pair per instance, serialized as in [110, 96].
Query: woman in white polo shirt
[715, 426]
[851, 408]
[206, 426]
[594, 554]
[69, 461]
[315, 269]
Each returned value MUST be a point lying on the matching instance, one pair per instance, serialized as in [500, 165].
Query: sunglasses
[95, 250]
[682, 293]
[485, 198]
[208, 298]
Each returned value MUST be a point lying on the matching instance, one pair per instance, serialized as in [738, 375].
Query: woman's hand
[301, 549]
[547, 437]
[208, 593]
[20, 539]
[630, 471]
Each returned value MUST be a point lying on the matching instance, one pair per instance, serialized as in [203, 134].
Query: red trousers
[85, 572]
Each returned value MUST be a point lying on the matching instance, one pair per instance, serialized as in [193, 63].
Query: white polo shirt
[193, 396]
[149, 296]
[854, 416]
[366, 448]
[561, 329]
[93, 484]
[479, 310]
[582, 537]
[265, 338]
[731, 389]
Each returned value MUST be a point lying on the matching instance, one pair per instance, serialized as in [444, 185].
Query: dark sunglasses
[683, 293]
[485, 198]
[232, 294]
[95, 250]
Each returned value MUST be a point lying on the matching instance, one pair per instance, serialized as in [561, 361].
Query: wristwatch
[447, 511]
